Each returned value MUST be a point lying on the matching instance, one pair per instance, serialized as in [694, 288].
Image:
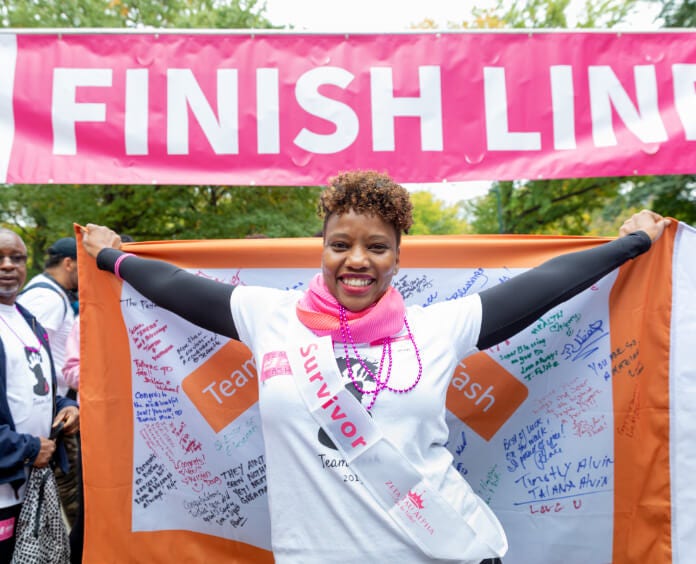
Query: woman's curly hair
[371, 193]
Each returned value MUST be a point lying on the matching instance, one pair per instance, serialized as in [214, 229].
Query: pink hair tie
[118, 262]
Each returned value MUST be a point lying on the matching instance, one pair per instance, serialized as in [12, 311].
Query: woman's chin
[359, 302]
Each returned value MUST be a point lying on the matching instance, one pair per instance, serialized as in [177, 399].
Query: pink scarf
[318, 310]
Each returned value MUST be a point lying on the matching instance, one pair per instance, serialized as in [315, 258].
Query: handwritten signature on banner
[574, 405]
[572, 478]
[585, 341]
[544, 472]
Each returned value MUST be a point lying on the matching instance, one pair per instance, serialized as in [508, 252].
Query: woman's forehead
[358, 222]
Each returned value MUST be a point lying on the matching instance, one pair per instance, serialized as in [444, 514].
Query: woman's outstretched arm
[201, 301]
[510, 307]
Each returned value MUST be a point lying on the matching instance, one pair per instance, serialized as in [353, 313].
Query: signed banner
[274, 108]
[578, 432]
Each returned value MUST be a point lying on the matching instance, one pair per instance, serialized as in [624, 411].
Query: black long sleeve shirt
[506, 308]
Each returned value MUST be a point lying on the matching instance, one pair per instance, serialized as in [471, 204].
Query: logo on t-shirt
[33, 354]
[416, 499]
[275, 363]
[360, 374]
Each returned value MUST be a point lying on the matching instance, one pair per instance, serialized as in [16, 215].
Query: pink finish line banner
[268, 108]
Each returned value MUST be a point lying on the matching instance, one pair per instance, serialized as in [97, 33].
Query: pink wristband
[118, 262]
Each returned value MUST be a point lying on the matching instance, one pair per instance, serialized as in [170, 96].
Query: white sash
[436, 527]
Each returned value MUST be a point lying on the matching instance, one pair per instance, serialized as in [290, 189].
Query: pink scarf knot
[318, 310]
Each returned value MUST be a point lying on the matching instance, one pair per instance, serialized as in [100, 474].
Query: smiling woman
[349, 374]
[362, 235]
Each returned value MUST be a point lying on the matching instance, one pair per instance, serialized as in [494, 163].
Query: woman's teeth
[357, 282]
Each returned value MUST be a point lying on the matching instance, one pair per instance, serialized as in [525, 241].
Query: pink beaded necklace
[380, 384]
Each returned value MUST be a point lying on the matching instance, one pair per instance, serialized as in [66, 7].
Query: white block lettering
[498, 134]
[338, 113]
[684, 77]
[563, 104]
[606, 92]
[386, 107]
[183, 92]
[268, 112]
[137, 101]
[66, 111]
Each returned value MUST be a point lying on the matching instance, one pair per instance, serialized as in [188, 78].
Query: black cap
[65, 247]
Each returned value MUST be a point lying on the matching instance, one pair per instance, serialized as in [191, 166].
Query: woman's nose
[357, 258]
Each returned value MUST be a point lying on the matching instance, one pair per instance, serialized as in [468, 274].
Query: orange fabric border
[642, 488]
[640, 313]
[426, 251]
[107, 443]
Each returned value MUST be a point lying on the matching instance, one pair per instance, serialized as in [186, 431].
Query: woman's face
[360, 258]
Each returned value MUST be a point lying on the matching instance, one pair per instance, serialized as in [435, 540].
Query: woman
[349, 340]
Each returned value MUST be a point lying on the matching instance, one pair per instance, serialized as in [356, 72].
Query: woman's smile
[356, 283]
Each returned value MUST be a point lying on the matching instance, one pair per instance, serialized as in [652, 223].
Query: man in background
[27, 398]
[52, 298]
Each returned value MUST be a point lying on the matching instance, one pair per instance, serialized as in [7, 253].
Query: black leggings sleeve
[510, 307]
[201, 301]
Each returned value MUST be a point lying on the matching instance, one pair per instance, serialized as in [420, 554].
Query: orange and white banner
[272, 108]
[578, 432]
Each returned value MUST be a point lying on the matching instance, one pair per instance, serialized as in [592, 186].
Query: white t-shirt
[28, 375]
[320, 512]
[55, 313]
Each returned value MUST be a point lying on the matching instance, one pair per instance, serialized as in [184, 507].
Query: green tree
[224, 14]
[542, 206]
[43, 213]
[433, 217]
[678, 13]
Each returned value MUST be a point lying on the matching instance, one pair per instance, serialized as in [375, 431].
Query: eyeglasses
[17, 260]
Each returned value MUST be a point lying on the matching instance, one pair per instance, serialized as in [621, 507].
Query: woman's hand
[48, 447]
[70, 417]
[97, 237]
[649, 221]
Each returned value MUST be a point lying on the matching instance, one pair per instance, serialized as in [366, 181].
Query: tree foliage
[542, 206]
[678, 13]
[226, 14]
[43, 213]
[433, 217]
[543, 14]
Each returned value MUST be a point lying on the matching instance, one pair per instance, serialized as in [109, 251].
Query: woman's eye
[339, 246]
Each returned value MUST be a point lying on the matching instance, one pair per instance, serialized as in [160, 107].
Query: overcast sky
[365, 15]
[396, 15]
